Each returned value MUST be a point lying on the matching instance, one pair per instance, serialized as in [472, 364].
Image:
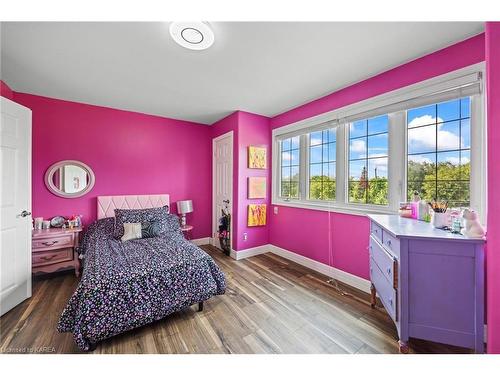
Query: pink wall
[349, 233]
[253, 131]
[248, 129]
[130, 153]
[467, 52]
[335, 239]
[493, 248]
[5, 91]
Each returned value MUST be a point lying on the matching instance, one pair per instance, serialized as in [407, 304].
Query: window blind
[314, 128]
[468, 85]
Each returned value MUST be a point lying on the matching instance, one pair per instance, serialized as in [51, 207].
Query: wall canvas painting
[256, 215]
[257, 157]
[256, 187]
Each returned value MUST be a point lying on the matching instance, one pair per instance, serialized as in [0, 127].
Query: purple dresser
[431, 282]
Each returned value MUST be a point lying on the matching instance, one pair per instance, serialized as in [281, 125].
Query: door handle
[25, 213]
[49, 243]
[49, 257]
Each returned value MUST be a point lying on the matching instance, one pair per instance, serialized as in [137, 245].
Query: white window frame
[397, 148]
[306, 150]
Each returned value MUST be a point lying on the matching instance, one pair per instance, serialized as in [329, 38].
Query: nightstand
[186, 230]
[54, 249]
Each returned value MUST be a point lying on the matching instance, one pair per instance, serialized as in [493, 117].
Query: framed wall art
[257, 187]
[257, 157]
[256, 215]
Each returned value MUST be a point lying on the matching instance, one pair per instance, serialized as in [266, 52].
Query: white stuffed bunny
[473, 228]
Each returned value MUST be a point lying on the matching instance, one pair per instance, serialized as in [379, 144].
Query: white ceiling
[264, 68]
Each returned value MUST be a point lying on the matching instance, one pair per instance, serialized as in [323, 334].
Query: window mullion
[341, 164]
[478, 146]
[304, 162]
[397, 159]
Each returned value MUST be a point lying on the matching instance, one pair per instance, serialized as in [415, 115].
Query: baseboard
[202, 241]
[335, 273]
[345, 277]
[242, 254]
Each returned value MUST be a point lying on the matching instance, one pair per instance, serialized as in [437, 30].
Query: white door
[222, 180]
[15, 204]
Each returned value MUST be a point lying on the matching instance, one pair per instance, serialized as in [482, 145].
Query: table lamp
[183, 208]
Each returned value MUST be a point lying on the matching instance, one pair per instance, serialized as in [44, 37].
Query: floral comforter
[129, 284]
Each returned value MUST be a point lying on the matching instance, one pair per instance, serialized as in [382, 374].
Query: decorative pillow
[150, 229]
[133, 231]
[159, 214]
[173, 224]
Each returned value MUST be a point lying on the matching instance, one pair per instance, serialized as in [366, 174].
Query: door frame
[25, 111]
[213, 238]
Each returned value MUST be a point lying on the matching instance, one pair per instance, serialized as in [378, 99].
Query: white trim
[202, 241]
[242, 254]
[397, 146]
[345, 277]
[428, 86]
[478, 155]
[214, 239]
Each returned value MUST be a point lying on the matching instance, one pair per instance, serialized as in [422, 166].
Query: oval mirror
[69, 179]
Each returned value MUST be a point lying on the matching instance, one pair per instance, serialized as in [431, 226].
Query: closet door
[15, 204]
[222, 164]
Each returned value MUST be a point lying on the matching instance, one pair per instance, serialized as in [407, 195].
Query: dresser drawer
[52, 243]
[385, 290]
[386, 262]
[50, 257]
[391, 243]
[376, 231]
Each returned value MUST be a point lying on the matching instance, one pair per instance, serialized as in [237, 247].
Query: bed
[129, 284]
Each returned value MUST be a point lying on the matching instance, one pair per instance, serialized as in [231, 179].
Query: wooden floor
[271, 305]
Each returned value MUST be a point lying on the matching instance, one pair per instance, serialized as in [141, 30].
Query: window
[439, 152]
[290, 167]
[368, 161]
[368, 157]
[322, 167]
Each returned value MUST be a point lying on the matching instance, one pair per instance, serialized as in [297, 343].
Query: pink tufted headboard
[106, 205]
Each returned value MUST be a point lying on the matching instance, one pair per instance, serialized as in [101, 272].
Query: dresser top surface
[404, 227]
[54, 231]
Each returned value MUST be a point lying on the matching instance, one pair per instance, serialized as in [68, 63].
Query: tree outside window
[368, 161]
[439, 152]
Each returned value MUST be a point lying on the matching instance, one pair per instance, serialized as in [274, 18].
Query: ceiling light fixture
[192, 35]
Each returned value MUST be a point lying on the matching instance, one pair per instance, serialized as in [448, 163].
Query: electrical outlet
[245, 236]
[276, 210]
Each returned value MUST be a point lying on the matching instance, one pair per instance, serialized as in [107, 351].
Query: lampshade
[184, 207]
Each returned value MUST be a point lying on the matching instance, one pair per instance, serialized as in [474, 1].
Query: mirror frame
[49, 182]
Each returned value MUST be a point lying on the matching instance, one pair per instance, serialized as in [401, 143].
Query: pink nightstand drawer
[50, 257]
[52, 243]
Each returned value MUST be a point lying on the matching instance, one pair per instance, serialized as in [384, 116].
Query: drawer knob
[389, 243]
[389, 271]
[49, 243]
[390, 301]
